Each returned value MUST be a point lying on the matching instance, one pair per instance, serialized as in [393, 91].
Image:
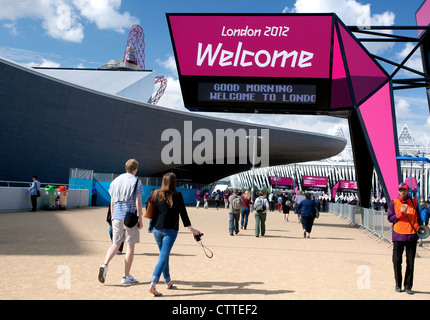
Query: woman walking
[307, 209]
[245, 209]
[286, 206]
[169, 205]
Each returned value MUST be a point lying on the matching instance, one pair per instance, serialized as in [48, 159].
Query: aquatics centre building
[53, 120]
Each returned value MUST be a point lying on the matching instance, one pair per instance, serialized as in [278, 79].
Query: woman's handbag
[149, 213]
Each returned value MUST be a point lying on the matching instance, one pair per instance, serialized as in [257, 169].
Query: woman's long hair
[168, 188]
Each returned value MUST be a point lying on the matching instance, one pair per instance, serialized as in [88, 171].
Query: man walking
[260, 206]
[236, 202]
[126, 195]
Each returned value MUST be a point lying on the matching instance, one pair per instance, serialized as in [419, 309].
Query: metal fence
[370, 221]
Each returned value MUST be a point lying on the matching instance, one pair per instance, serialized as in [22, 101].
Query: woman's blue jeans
[165, 239]
[245, 215]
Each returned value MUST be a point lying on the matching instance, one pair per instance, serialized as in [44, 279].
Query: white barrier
[14, 199]
[368, 220]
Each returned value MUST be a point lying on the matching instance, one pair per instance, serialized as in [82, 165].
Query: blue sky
[34, 33]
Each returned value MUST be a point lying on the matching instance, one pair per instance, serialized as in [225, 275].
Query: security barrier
[368, 220]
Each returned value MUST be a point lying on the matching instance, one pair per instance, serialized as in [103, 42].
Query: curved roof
[49, 126]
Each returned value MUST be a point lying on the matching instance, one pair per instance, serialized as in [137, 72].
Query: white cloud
[352, 13]
[105, 14]
[62, 19]
[403, 108]
[12, 28]
[27, 57]
[44, 64]
[61, 22]
[169, 64]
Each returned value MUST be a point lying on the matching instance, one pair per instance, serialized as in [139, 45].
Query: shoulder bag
[131, 217]
[149, 213]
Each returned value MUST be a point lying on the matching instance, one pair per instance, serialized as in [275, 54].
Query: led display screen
[257, 93]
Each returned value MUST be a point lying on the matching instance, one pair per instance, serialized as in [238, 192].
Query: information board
[315, 183]
[347, 186]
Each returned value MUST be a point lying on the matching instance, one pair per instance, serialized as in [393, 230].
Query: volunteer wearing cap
[403, 214]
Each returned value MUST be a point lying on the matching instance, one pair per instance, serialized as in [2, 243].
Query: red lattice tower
[135, 49]
[163, 84]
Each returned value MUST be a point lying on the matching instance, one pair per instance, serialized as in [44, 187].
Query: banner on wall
[282, 182]
[315, 183]
[345, 186]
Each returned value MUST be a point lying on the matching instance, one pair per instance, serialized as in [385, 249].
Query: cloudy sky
[88, 33]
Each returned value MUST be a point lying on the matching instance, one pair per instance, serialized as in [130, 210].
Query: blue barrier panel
[75, 183]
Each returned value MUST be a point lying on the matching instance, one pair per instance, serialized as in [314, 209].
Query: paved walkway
[56, 255]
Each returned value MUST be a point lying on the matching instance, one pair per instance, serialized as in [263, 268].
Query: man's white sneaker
[102, 273]
[128, 279]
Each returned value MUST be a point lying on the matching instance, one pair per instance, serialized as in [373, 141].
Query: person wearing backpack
[236, 202]
[260, 206]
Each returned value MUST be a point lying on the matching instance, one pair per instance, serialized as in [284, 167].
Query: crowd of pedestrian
[168, 208]
[284, 202]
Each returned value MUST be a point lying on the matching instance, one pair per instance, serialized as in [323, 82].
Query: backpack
[236, 203]
[259, 205]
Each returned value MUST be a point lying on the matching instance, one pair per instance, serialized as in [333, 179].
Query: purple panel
[377, 117]
[365, 74]
[340, 94]
[423, 15]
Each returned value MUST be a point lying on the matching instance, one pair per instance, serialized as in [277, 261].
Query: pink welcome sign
[253, 46]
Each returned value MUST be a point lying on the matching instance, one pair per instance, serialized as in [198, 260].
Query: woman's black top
[168, 218]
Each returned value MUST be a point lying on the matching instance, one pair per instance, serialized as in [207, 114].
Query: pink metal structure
[135, 54]
[163, 84]
[135, 49]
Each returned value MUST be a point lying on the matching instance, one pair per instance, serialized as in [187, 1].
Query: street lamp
[254, 155]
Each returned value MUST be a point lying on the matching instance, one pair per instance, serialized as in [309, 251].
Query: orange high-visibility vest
[402, 226]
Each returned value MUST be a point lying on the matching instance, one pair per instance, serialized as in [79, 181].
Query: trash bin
[63, 190]
[50, 195]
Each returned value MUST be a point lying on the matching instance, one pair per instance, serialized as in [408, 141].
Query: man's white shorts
[120, 232]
